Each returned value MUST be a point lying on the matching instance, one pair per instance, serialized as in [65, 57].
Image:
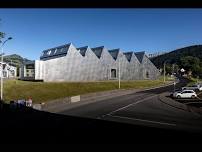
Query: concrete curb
[53, 105]
[179, 105]
[171, 102]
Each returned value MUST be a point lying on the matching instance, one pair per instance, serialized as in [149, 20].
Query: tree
[190, 63]
[2, 35]
[168, 69]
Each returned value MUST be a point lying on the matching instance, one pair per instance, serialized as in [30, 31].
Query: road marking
[150, 121]
[127, 106]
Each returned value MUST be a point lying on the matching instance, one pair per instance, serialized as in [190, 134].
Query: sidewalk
[70, 102]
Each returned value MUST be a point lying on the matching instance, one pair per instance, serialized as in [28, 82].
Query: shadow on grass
[26, 125]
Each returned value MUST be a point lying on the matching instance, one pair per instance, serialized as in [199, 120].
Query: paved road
[142, 108]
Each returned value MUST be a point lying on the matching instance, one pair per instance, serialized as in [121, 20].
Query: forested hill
[175, 56]
[189, 58]
[14, 59]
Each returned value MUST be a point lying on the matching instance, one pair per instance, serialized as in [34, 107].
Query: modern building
[68, 63]
[8, 70]
[27, 71]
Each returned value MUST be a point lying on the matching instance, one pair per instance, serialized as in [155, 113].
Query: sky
[149, 30]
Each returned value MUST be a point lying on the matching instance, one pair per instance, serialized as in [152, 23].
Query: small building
[68, 63]
[27, 71]
[9, 71]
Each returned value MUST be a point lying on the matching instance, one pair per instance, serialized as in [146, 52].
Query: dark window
[147, 74]
[113, 73]
[30, 66]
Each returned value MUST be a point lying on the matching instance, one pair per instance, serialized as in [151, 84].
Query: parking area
[196, 102]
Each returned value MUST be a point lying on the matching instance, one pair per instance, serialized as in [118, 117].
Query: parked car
[177, 90]
[196, 87]
[185, 94]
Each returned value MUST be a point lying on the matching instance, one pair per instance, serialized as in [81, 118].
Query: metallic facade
[68, 63]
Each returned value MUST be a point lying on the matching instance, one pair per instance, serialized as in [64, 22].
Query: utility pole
[2, 66]
[119, 75]
[173, 68]
[164, 72]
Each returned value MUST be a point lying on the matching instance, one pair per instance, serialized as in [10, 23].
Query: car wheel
[193, 97]
[178, 96]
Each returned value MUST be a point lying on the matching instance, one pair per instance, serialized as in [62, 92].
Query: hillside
[14, 59]
[189, 58]
[175, 56]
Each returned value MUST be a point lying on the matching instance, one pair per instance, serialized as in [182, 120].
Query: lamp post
[2, 66]
[164, 71]
[119, 75]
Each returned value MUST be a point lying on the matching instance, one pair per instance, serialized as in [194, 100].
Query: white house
[8, 70]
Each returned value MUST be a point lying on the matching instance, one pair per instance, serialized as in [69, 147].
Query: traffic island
[187, 106]
[164, 97]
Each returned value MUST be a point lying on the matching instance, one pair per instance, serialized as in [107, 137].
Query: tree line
[188, 58]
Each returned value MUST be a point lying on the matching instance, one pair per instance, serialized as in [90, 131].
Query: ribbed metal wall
[76, 66]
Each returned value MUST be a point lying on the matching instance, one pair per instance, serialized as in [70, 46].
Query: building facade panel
[90, 64]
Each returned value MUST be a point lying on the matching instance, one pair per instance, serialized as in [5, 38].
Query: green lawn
[46, 91]
[194, 81]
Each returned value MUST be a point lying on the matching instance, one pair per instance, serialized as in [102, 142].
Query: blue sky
[150, 30]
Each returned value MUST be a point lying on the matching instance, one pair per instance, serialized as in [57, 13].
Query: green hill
[189, 58]
[14, 59]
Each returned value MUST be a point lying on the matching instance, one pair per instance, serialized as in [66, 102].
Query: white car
[185, 94]
[196, 87]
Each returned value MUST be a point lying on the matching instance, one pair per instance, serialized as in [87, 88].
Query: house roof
[114, 53]
[128, 55]
[82, 50]
[98, 51]
[29, 62]
[140, 55]
[55, 52]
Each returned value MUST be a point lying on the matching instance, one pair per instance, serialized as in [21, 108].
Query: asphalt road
[134, 118]
[141, 108]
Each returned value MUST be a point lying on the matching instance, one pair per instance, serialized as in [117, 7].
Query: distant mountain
[15, 59]
[174, 57]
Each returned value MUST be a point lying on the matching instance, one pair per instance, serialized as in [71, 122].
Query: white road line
[128, 106]
[150, 121]
[100, 117]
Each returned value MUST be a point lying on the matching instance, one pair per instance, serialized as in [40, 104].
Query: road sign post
[174, 85]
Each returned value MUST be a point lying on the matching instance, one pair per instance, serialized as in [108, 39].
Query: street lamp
[164, 71]
[119, 75]
[2, 66]
[121, 56]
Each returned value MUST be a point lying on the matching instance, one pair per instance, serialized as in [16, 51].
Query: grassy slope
[46, 91]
